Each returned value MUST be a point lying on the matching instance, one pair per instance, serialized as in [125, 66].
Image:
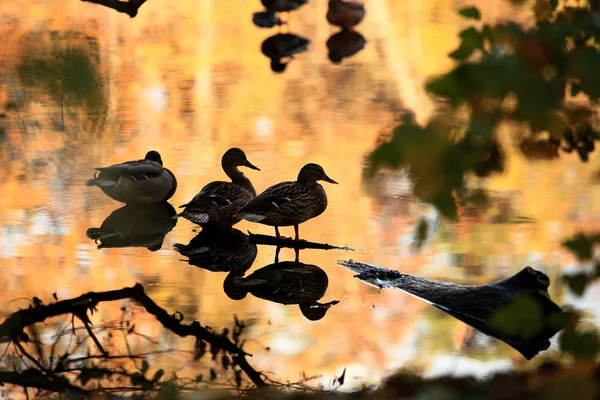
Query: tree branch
[12, 328]
[130, 7]
[293, 244]
[33, 378]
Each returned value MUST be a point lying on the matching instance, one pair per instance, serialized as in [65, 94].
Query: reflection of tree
[69, 71]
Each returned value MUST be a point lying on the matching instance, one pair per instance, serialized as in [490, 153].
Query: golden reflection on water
[190, 81]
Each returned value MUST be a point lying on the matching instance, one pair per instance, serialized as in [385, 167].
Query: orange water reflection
[190, 81]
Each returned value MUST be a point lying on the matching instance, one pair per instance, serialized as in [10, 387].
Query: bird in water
[345, 14]
[218, 201]
[290, 203]
[286, 282]
[143, 181]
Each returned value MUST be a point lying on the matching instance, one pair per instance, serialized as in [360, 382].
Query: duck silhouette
[141, 182]
[218, 201]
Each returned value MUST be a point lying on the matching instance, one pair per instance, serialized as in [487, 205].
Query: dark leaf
[577, 283]
[342, 377]
[522, 317]
[581, 345]
[470, 12]
[581, 246]
[159, 374]
[145, 366]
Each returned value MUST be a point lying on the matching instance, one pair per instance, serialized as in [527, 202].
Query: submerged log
[534, 320]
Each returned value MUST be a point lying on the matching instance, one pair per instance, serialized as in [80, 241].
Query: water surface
[83, 86]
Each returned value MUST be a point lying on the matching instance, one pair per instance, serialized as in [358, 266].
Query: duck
[217, 249]
[137, 182]
[290, 203]
[345, 14]
[135, 225]
[286, 282]
[218, 201]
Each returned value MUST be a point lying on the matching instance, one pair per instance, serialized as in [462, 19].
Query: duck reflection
[266, 19]
[286, 282]
[135, 226]
[344, 44]
[345, 13]
[220, 250]
[281, 48]
[269, 17]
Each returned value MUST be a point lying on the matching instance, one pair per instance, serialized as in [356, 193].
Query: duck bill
[325, 306]
[251, 166]
[328, 179]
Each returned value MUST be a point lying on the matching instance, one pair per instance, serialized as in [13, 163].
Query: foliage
[581, 245]
[525, 78]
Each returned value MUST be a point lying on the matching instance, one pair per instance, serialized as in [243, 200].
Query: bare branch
[12, 328]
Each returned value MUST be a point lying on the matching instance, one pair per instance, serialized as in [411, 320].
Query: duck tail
[178, 247]
[199, 218]
[91, 182]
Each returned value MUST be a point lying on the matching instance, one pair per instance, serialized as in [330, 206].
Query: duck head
[235, 157]
[154, 155]
[311, 173]
[231, 287]
[316, 311]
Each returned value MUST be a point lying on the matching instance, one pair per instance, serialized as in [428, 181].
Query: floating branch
[12, 329]
[294, 244]
[130, 7]
[483, 306]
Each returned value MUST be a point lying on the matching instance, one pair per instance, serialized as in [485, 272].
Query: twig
[31, 358]
[86, 324]
[12, 327]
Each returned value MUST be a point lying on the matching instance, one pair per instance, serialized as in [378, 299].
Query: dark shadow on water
[135, 226]
[344, 44]
[517, 310]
